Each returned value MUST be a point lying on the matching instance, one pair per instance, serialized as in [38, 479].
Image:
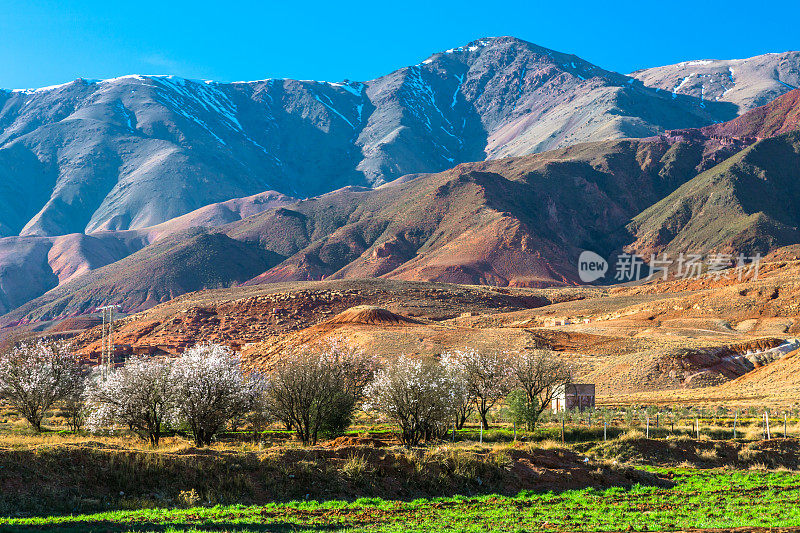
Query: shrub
[316, 391]
[709, 455]
[355, 467]
[189, 498]
[522, 411]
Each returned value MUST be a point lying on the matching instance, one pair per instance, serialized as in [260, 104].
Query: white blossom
[210, 389]
[140, 395]
[462, 398]
[417, 394]
[486, 374]
[35, 375]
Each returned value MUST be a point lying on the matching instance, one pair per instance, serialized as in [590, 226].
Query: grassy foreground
[700, 499]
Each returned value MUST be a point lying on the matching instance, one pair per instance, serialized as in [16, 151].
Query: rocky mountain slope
[747, 83]
[746, 204]
[136, 151]
[517, 221]
[32, 265]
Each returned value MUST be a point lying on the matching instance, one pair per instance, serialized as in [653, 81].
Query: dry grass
[355, 467]
[126, 442]
[548, 444]
[747, 454]
[753, 433]
[631, 434]
[501, 458]
[709, 455]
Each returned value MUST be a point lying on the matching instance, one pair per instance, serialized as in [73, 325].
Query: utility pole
[107, 340]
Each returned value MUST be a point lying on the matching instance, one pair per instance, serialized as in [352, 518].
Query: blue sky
[48, 42]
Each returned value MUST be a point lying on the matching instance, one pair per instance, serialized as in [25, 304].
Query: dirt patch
[349, 440]
[370, 314]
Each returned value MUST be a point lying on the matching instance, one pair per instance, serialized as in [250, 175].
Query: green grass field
[699, 499]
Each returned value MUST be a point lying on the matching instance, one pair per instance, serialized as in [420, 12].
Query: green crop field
[699, 499]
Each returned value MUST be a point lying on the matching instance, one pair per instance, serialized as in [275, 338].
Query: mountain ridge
[516, 221]
[135, 151]
[747, 83]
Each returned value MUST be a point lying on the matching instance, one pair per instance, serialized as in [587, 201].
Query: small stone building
[573, 396]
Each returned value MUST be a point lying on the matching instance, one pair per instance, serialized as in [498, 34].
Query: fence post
[647, 433]
[697, 426]
[605, 431]
[657, 413]
[766, 424]
[481, 431]
[563, 422]
[515, 431]
[735, 420]
[454, 430]
[784, 425]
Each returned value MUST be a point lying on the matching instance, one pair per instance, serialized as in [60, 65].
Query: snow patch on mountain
[329, 105]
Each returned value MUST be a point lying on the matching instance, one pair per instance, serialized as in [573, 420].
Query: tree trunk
[34, 419]
[461, 419]
[202, 438]
[483, 419]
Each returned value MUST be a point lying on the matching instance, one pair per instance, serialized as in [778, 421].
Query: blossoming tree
[417, 394]
[36, 375]
[211, 389]
[140, 395]
[315, 391]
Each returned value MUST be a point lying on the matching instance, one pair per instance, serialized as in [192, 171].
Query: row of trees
[203, 389]
[315, 392]
[425, 396]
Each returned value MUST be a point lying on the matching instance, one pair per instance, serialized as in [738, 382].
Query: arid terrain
[694, 342]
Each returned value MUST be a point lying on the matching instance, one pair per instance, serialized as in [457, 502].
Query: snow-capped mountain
[748, 83]
[93, 171]
[136, 151]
